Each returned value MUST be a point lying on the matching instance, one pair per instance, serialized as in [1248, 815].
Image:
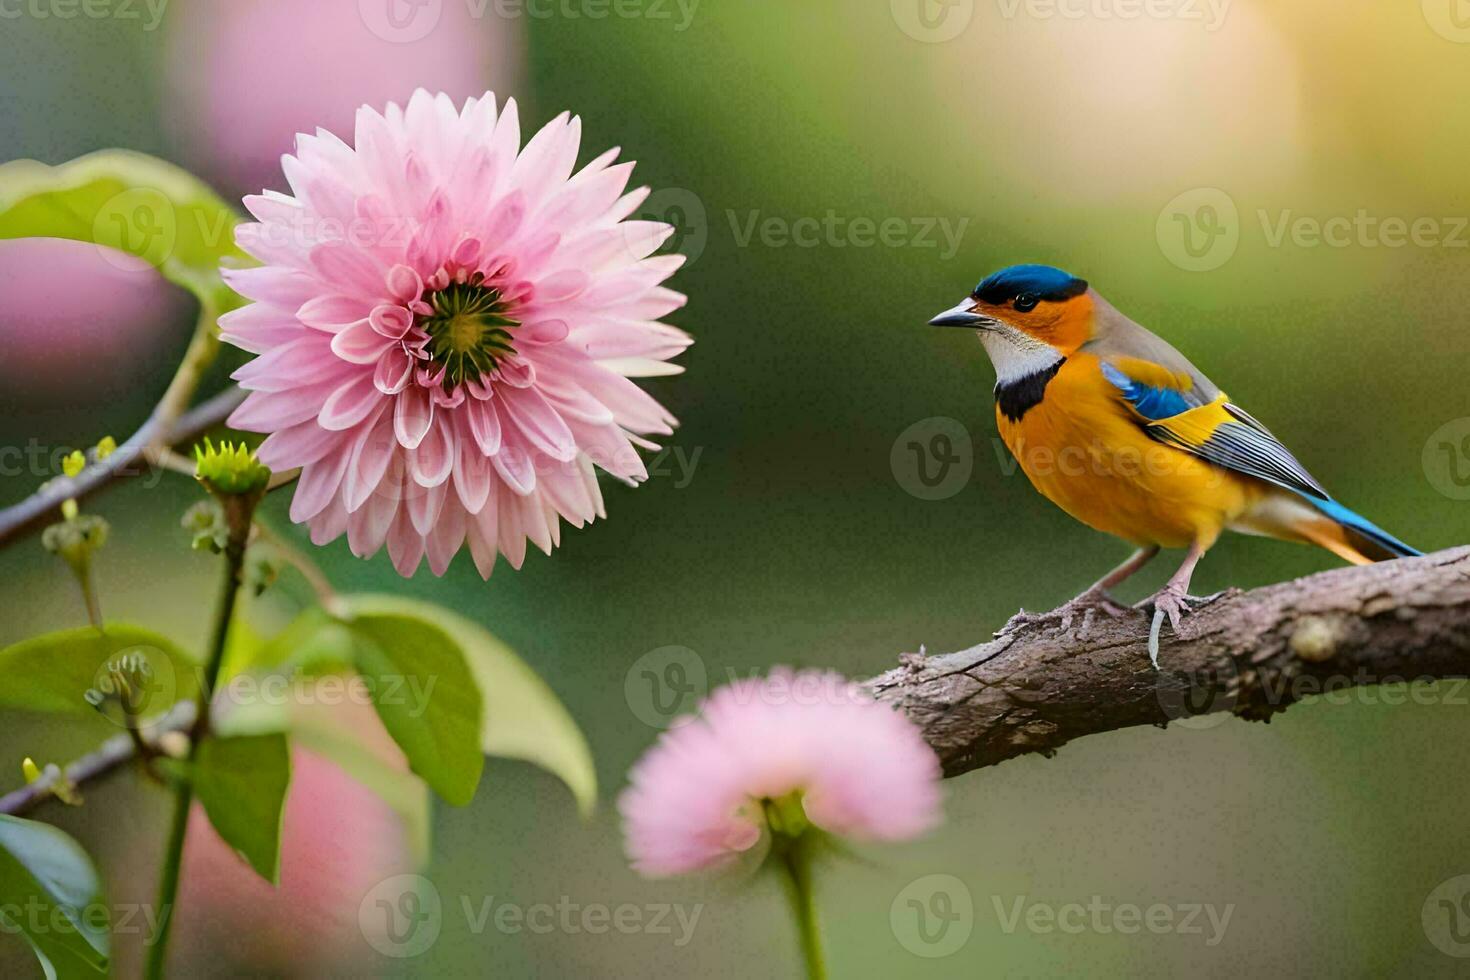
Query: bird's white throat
[1016, 355]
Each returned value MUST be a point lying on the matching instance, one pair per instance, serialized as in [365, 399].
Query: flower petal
[350, 404]
[372, 453]
[360, 343]
[393, 370]
[484, 423]
[332, 312]
[413, 414]
[318, 484]
[539, 422]
[431, 462]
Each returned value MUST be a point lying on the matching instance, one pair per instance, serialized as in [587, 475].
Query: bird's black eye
[1026, 302]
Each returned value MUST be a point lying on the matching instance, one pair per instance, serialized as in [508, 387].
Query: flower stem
[83, 571]
[796, 866]
[298, 560]
[239, 518]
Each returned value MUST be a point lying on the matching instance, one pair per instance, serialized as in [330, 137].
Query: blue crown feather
[1041, 281]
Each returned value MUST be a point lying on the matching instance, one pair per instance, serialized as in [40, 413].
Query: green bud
[230, 470]
[73, 465]
[76, 538]
[206, 522]
[261, 573]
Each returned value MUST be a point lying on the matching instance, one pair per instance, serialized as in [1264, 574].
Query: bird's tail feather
[1325, 523]
[1354, 537]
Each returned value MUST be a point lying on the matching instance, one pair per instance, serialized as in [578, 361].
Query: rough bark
[1252, 654]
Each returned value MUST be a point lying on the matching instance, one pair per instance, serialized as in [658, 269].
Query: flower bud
[206, 522]
[230, 470]
[76, 538]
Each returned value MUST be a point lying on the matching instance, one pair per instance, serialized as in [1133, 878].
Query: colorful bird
[1121, 431]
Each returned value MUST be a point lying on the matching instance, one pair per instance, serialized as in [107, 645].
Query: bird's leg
[1174, 601]
[1094, 598]
[1097, 593]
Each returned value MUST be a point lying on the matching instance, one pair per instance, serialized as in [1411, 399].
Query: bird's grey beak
[961, 316]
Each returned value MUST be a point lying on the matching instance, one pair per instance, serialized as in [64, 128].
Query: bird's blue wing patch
[1150, 402]
[1218, 432]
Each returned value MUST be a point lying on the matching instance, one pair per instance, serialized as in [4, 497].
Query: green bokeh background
[795, 542]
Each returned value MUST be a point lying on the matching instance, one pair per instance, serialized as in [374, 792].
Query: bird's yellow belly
[1098, 465]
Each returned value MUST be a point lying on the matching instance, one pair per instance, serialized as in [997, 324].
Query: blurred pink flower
[66, 346]
[339, 839]
[247, 77]
[446, 326]
[861, 770]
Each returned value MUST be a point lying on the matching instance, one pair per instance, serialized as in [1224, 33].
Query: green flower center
[786, 816]
[469, 332]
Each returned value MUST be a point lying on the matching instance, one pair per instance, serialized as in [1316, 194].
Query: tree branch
[133, 458]
[1252, 654]
[111, 756]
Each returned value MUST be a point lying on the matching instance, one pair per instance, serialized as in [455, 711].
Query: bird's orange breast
[1085, 450]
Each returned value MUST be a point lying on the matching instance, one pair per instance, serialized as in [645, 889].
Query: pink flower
[326, 59]
[446, 325]
[859, 770]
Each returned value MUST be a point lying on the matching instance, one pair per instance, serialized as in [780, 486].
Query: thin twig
[108, 758]
[326, 594]
[166, 459]
[128, 460]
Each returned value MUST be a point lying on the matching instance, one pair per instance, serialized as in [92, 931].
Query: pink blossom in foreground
[446, 325]
[862, 772]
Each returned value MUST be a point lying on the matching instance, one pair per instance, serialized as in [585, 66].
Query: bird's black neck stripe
[1016, 398]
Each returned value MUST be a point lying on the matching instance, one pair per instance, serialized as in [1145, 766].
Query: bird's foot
[1088, 605]
[1172, 603]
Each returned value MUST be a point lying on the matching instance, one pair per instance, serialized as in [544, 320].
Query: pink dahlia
[804, 741]
[446, 324]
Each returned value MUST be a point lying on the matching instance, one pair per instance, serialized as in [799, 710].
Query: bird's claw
[1088, 604]
[1173, 604]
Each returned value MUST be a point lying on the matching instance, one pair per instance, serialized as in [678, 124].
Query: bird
[1122, 432]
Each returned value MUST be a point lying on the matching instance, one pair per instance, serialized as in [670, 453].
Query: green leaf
[54, 671]
[50, 894]
[312, 645]
[523, 718]
[322, 733]
[131, 202]
[426, 697]
[242, 782]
